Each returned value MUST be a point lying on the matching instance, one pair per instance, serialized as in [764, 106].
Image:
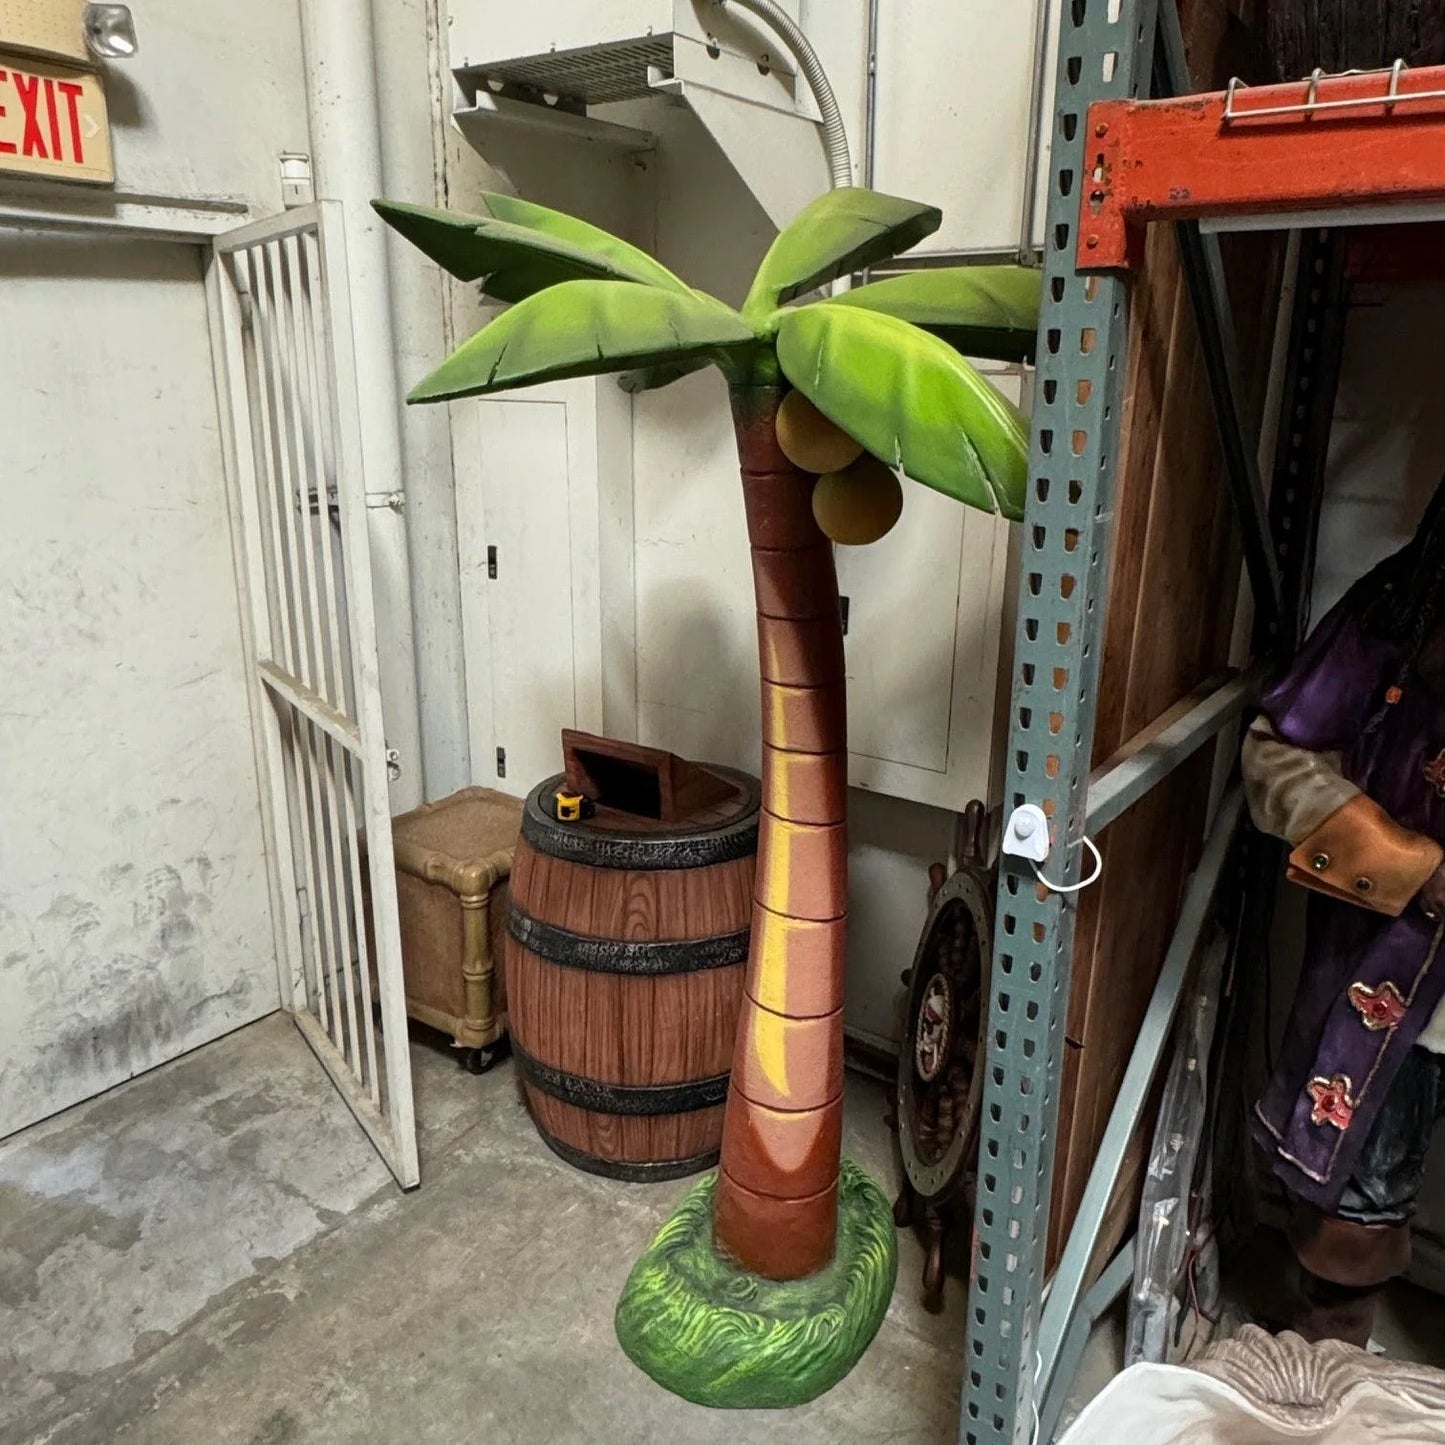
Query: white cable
[835, 135]
[1073, 887]
[1034, 1398]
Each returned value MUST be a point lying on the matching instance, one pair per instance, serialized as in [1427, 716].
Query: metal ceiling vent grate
[593, 74]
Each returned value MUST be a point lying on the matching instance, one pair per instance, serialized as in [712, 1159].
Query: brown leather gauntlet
[1360, 854]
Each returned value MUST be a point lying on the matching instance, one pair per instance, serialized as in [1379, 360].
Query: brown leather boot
[1329, 1311]
[1343, 1266]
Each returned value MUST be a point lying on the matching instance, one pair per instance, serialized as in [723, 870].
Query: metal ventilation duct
[589, 75]
[541, 64]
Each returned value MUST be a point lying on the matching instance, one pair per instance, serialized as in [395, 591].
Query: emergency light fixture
[110, 32]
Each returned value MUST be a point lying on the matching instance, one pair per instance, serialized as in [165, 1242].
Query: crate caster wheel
[904, 1206]
[933, 1264]
[483, 1061]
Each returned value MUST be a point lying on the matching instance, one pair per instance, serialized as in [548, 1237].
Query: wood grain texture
[682, 790]
[1174, 579]
[622, 1140]
[627, 1029]
[1341, 35]
[620, 1029]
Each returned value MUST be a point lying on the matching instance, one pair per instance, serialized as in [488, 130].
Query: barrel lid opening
[724, 830]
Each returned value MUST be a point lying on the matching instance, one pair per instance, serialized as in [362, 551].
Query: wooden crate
[1338, 35]
[453, 860]
[1175, 571]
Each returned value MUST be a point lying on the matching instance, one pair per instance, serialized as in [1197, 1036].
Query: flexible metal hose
[835, 137]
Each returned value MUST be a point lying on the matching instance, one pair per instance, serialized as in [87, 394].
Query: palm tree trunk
[776, 1203]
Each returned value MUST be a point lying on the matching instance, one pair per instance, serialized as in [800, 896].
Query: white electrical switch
[1027, 834]
[297, 186]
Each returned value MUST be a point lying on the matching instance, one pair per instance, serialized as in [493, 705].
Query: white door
[518, 542]
[544, 542]
[290, 372]
[134, 918]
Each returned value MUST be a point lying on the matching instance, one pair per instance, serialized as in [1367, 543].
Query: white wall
[891, 844]
[954, 113]
[211, 101]
[200, 118]
[134, 917]
[201, 114]
[694, 623]
[534, 639]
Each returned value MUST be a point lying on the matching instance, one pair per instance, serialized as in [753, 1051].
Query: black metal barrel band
[659, 850]
[634, 1100]
[649, 1172]
[651, 958]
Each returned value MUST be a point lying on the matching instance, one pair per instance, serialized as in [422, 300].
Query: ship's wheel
[940, 1074]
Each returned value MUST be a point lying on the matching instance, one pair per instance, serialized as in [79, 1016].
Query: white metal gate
[290, 370]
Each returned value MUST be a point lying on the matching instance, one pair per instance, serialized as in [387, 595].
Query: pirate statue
[1346, 762]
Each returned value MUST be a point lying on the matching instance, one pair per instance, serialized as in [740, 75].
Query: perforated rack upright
[1328, 150]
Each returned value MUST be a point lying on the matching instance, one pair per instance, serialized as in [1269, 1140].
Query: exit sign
[53, 121]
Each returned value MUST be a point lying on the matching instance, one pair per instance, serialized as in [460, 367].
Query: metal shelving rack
[1329, 150]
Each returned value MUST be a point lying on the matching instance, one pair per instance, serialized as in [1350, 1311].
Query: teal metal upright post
[1105, 51]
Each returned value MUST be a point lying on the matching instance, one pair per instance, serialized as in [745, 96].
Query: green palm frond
[911, 400]
[840, 232]
[654, 378]
[519, 248]
[985, 311]
[587, 328]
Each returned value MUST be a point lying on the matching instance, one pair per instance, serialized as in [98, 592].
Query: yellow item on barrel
[572, 807]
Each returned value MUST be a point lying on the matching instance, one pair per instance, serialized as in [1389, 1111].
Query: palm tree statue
[771, 1279]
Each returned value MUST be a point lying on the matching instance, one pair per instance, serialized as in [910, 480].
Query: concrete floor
[214, 1253]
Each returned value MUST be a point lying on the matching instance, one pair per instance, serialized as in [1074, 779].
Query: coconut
[858, 504]
[810, 441]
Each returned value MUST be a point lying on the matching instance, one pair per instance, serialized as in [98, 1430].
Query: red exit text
[49, 113]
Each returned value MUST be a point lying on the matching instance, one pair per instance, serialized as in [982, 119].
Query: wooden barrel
[628, 938]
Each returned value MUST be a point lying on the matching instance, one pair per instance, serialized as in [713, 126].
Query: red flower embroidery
[1332, 1101]
[1380, 1008]
[1435, 774]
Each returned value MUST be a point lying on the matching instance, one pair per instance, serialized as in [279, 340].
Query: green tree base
[716, 1335]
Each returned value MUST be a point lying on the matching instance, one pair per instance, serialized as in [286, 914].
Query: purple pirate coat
[1370, 983]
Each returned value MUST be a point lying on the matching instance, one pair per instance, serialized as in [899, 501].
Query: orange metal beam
[1376, 138]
